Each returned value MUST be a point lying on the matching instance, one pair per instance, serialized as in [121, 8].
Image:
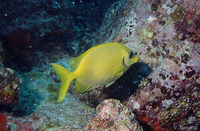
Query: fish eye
[131, 55]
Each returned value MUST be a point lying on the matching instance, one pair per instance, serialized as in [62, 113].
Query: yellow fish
[100, 65]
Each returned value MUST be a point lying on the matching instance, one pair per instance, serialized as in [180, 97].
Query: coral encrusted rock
[112, 115]
[9, 87]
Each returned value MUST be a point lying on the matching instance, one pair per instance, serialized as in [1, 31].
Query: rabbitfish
[100, 65]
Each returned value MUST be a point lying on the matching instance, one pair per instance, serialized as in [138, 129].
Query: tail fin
[64, 76]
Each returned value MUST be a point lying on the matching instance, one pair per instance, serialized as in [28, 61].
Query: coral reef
[9, 88]
[162, 90]
[112, 115]
[165, 35]
[153, 29]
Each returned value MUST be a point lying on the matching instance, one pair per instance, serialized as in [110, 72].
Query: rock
[112, 115]
[9, 87]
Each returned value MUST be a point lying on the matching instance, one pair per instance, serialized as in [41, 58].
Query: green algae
[52, 88]
[85, 107]
[35, 74]
[178, 14]
[52, 98]
[46, 127]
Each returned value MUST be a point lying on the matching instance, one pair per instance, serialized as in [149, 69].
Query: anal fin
[81, 88]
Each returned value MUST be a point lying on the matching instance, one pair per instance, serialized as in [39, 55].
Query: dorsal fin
[75, 62]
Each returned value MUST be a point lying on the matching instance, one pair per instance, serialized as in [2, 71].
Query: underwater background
[159, 93]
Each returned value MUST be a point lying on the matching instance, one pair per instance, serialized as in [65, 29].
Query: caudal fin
[64, 76]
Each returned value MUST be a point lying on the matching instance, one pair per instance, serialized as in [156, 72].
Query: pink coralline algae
[190, 25]
[112, 115]
[22, 126]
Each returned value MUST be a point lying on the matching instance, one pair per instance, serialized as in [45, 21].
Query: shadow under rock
[124, 87]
